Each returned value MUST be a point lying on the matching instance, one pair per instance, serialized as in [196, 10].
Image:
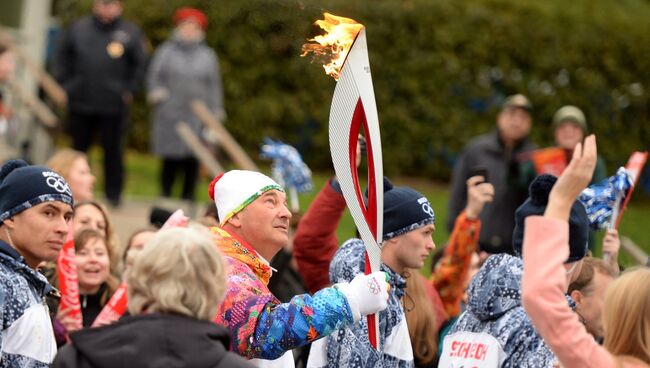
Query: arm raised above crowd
[545, 280]
[451, 271]
[315, 242]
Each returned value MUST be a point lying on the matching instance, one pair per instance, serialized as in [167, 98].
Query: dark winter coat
[498, 217]
[99, 64]
[151, 340]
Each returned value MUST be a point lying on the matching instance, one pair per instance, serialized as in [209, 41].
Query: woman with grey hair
[174, 288]
[183, 69]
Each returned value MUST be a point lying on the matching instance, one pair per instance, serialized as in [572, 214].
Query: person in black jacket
[172, 299]
[497, 156]
[100, 62]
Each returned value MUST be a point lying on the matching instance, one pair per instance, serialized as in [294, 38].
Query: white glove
[366, 294]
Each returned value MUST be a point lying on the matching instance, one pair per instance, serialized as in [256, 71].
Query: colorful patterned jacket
[261, 326]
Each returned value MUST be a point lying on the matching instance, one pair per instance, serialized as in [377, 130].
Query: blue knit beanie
[23, 186]
[536, 203]
[404, 210]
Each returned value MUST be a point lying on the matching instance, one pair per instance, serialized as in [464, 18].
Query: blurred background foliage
[440, 70]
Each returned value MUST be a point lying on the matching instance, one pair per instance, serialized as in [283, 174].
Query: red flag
[634, 167]
[114, 309]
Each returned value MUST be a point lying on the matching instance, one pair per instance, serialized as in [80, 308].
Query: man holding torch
[254, 224]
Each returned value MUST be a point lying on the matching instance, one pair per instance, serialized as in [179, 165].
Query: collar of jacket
[497, 144]
[397, 282]
[10, 251]
[183, 44]
[571, 302]
[106, 26]
[232, 246]
[11, 258]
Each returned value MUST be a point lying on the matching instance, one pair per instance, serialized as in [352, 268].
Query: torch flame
[340, 33]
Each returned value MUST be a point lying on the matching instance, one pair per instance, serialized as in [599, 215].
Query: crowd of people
[254, 284]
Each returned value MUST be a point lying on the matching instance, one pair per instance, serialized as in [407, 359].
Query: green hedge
[440, 69]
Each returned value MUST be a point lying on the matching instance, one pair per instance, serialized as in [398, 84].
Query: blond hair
[420, 319]
[62, 161]
[626, 315]
[180, 271]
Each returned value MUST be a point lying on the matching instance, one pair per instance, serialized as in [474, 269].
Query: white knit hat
[232, 191]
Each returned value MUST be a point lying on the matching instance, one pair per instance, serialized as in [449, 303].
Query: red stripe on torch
[370, 211]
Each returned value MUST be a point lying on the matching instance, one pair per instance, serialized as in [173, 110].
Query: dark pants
[112, 129]
[171, 168]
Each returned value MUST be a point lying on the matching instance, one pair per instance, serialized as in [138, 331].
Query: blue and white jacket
[27, 338]
[350, 346]
[495, 326]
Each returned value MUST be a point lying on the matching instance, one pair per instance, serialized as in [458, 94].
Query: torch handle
[373, 325]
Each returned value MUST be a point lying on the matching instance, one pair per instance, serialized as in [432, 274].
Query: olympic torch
[354, 107]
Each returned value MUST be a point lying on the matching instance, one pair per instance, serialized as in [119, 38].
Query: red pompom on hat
[212, 184]
[185, 14]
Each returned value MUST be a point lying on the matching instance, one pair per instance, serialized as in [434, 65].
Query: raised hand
[573, 180]
[479, 193]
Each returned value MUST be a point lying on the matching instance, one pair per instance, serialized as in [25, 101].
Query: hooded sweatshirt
[151, 340]
[495, 331]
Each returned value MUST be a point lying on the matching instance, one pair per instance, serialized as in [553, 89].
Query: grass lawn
[142, 174]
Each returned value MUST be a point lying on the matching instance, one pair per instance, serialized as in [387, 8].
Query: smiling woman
[93, 215]
[97, 261]
[96, 283]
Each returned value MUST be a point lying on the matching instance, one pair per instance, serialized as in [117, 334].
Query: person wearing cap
[499, 153]
[407, 241]
[254, 224]
[35, 208]
[569, 129]
[495, 320]
[183, 70]
[100, 62]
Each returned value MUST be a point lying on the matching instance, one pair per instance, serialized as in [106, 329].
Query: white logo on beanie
[426, 206]
[56, 182]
